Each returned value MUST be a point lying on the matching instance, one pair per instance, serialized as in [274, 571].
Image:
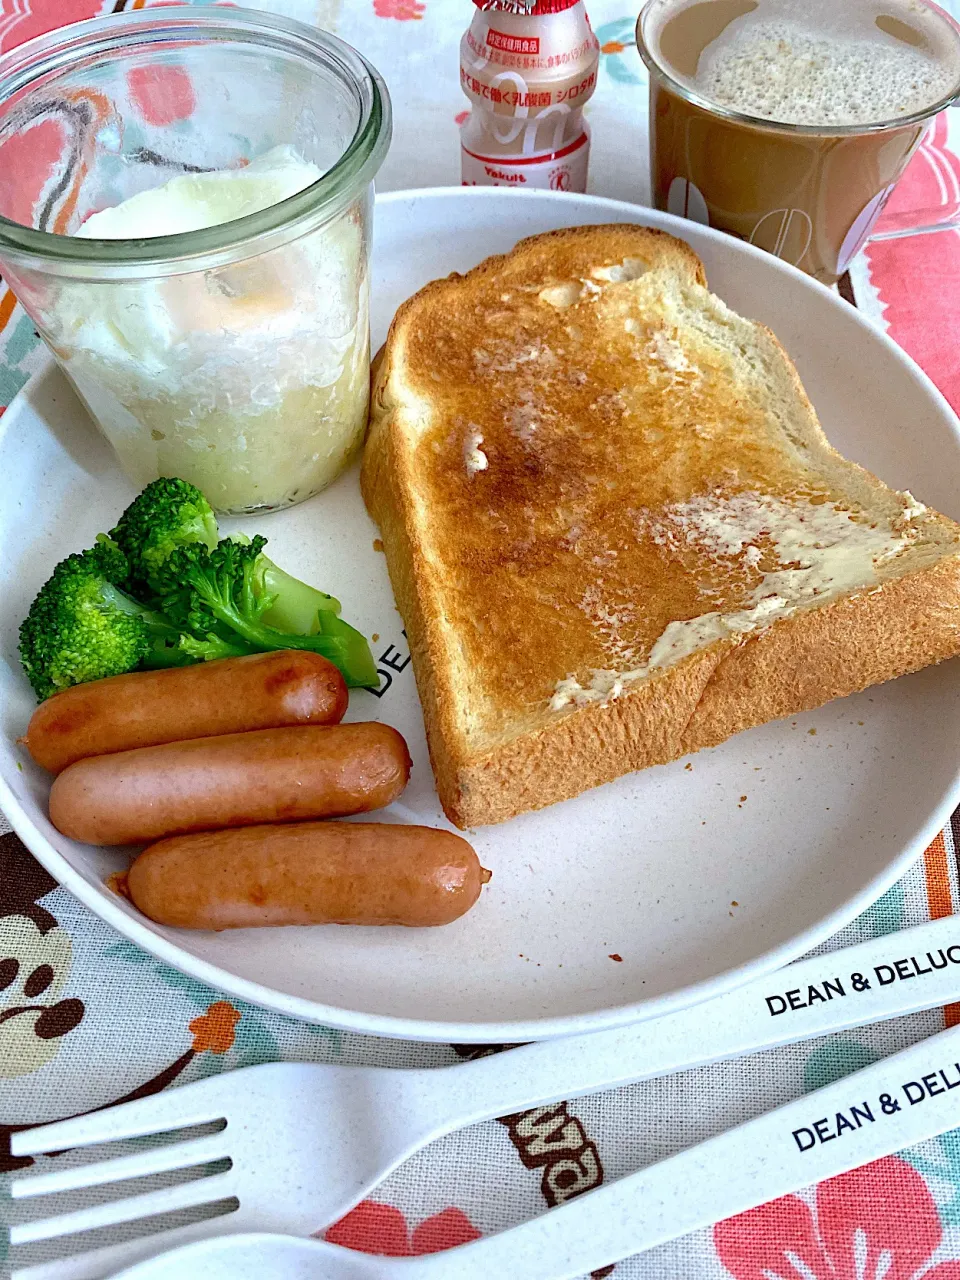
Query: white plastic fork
[900, 1101]
[308, 1141]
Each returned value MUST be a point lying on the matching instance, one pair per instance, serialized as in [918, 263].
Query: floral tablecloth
[114, 1022]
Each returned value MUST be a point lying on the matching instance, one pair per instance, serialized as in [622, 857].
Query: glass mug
[811, 195]
[236, 356]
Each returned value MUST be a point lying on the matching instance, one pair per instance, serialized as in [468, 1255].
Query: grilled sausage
[272, 775]
[145, 708]
[308, 873]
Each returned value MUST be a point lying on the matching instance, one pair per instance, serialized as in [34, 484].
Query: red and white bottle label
[564, 170]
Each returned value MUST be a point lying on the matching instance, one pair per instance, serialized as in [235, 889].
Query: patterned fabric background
[106, 1021]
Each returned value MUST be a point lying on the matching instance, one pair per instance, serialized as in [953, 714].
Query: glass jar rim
[229, 241]
[688, 94]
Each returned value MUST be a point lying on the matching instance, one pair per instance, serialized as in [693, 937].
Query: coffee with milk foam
[788, 122]
[815, 63]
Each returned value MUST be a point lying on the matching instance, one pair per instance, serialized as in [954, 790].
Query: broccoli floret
[161, 591]
[168, 514]
[80, 627]
[295, 605]
[225, 593]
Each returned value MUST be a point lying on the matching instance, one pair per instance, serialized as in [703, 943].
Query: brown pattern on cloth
[9, 1162]
[551, 1139]
[35, 956]
[213, 1032]
[34, 965]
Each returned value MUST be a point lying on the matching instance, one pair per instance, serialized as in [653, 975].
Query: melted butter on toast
[638, 495]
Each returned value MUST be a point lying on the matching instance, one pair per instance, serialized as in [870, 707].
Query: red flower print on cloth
[26, 159]
[381, 1228]
[876, 1223]
[21, 20]
[163, 94]
[402, 10]
[915, 280]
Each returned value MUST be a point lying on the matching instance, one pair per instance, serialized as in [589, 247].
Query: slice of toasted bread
[615, 529]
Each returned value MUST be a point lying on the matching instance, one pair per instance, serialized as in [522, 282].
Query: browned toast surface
[610, 517]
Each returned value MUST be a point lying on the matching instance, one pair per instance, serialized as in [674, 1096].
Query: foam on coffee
[852, 63]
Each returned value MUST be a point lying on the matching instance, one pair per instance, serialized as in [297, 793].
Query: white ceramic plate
[646, 869]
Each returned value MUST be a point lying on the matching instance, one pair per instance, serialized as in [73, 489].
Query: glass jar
[235, 356]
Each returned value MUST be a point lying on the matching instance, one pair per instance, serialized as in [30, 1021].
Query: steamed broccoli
[80, 627]
[172, 515]
[296, 607]
[293, 606]
[161, 591]
[169, 513]
[226, 592]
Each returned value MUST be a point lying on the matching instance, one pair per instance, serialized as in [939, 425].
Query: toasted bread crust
[796, 665]
[532, 758]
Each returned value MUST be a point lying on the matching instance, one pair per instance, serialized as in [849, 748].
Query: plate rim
[113, 914]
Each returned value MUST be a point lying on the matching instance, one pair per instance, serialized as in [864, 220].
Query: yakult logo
[502, 176]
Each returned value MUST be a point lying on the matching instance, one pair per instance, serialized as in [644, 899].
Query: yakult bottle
[528, 68]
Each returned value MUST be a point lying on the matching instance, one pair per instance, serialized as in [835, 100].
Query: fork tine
[174, 1155]
[94, 1264]
[190, 1104]
[184, 1196]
